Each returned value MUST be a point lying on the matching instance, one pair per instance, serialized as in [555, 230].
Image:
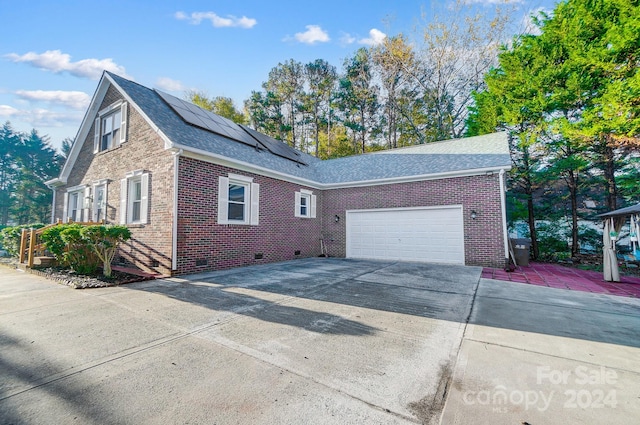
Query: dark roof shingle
[414, 161]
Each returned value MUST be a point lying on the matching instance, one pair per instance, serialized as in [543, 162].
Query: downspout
[53, 204]
[174, 230]
[503, 207]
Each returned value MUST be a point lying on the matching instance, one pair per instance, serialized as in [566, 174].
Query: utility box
[521, 249]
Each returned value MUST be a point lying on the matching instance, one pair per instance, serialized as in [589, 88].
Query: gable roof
[435, 160]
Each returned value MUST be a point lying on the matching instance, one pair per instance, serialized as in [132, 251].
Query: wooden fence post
[23, 244]
[32, 243]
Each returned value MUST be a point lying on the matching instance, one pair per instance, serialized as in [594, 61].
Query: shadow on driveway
[20, 375]
[218, 298]
[442, 292]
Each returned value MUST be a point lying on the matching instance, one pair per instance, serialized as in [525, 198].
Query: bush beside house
[84, 248]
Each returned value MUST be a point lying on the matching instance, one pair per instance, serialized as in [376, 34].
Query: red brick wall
[203, 244]
[483, 238]
[150, 246]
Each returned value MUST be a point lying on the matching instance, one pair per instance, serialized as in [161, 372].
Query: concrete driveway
[317, 341]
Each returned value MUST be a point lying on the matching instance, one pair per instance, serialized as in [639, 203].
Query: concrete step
[44, 261]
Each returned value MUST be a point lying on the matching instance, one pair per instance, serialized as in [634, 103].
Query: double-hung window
[110, 127]
[305, 204]
[134, 198]
[75, 202]
[99, 200]
[238, 200]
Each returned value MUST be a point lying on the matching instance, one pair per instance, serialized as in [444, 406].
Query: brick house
[202, 193]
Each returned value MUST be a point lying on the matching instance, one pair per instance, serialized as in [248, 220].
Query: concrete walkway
[537, 355]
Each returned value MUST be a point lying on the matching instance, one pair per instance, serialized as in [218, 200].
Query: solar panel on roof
[274, 146]
[207, 120]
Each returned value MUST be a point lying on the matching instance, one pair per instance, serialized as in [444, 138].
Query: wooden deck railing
[31, 238]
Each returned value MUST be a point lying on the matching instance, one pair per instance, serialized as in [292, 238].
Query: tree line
[399, 93]
[27, 160]
[570, 99]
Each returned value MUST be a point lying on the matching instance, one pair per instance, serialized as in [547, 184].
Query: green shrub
[66, 243]
[552, 241]
[53, 241]
[10, 237]
[105, 241]
[84, 248]
[78, 254]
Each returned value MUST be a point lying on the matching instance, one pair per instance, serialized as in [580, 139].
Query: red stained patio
[556, 276]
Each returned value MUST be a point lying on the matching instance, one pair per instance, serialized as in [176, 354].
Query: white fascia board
[251, 168]
[85, 126]
[53, 183]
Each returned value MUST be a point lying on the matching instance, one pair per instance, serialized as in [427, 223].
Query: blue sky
[52, 52]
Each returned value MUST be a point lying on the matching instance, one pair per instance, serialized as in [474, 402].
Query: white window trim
[251, 200]
[94, 207]
[97, 138]
[84, 192]
[311, 204]
[125, 201]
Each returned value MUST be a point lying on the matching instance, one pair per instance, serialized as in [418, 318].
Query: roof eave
[419, 177]
[252, 168]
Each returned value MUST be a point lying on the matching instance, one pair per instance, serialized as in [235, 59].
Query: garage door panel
[417, 234]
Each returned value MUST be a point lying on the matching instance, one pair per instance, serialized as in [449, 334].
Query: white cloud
[376, 37]
[312, 35]
[47, 118]
[347, 39]
[217, 21]
[168, 84]
[74, 99]
[41, 118]
[8, 111]
[58, 62]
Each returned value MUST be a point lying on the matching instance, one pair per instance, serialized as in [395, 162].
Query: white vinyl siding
[238, 200]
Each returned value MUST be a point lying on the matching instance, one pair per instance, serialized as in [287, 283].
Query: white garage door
[429, 234]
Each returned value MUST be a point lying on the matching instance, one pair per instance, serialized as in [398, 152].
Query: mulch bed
[80, 281]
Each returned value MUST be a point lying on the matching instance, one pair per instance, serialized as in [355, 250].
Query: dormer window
[110, 127]
[110, 130]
